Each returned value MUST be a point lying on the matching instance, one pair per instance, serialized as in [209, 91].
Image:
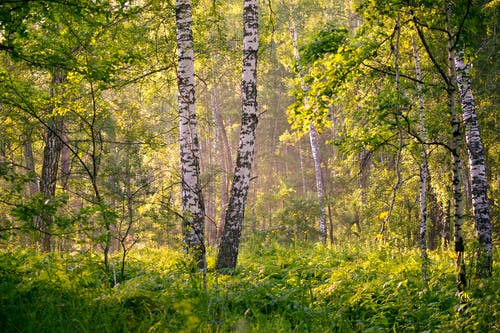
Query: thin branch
[429, 52]
[462, 24]
[390, 73]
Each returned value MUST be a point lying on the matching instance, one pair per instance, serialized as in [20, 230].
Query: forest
[249, 166]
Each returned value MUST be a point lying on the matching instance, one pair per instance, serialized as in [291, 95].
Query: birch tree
[448, 75]
[457, 164]
[313, 137]
[424, 168]
[193, 211]
[477, 167]
[228, 250]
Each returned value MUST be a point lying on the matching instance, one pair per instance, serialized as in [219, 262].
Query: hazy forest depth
[249, 166]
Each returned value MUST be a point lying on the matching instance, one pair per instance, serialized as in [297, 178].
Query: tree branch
[429, 52]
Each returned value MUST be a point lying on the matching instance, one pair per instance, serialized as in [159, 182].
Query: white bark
[457, 164]
[477, 168]
[228, 251]
[424, 169]
[192, 200]
[313, 136]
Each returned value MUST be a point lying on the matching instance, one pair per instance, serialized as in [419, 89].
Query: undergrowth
[276, 288]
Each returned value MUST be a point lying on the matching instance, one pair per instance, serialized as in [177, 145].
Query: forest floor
[276, 288]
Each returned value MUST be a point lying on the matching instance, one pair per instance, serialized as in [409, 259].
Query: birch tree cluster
[147, 123]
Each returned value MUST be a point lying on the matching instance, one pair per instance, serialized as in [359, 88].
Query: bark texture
[313, 136]
[424, 168]
[50, 164]
[456, 168]
[193, 211]
[477, 167]
[228, 250]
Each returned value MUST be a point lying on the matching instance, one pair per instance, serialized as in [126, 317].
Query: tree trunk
[434, 215]
[228, 251]
[313, 136]
[424, 168]
[48, 178]
[456, 168]
[29, 161]
[447, 226]
[50, 165]
[477, 167]
[192, 201]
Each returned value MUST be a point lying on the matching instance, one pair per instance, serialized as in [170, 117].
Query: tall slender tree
[455, 144]
[448, 75]
[424, 167]
[50, 164]
[477, 167]
[228, 250]
[193, 211]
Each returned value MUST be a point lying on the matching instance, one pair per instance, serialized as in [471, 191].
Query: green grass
[275, 288]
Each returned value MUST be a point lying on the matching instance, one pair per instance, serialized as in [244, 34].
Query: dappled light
[249, 166]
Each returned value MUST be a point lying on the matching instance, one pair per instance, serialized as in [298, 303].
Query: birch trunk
[228, 250]
[424, 168]
[313, 136]
[457, 166]
[193, 211]
[477, 167]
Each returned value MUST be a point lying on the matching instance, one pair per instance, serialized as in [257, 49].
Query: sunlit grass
[276, 288]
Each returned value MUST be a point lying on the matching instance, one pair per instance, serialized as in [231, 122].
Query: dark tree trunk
[50, 165]
[228, 250]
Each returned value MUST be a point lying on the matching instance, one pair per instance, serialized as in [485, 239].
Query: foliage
[277, 288]
[296, 222]
[118, 101]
